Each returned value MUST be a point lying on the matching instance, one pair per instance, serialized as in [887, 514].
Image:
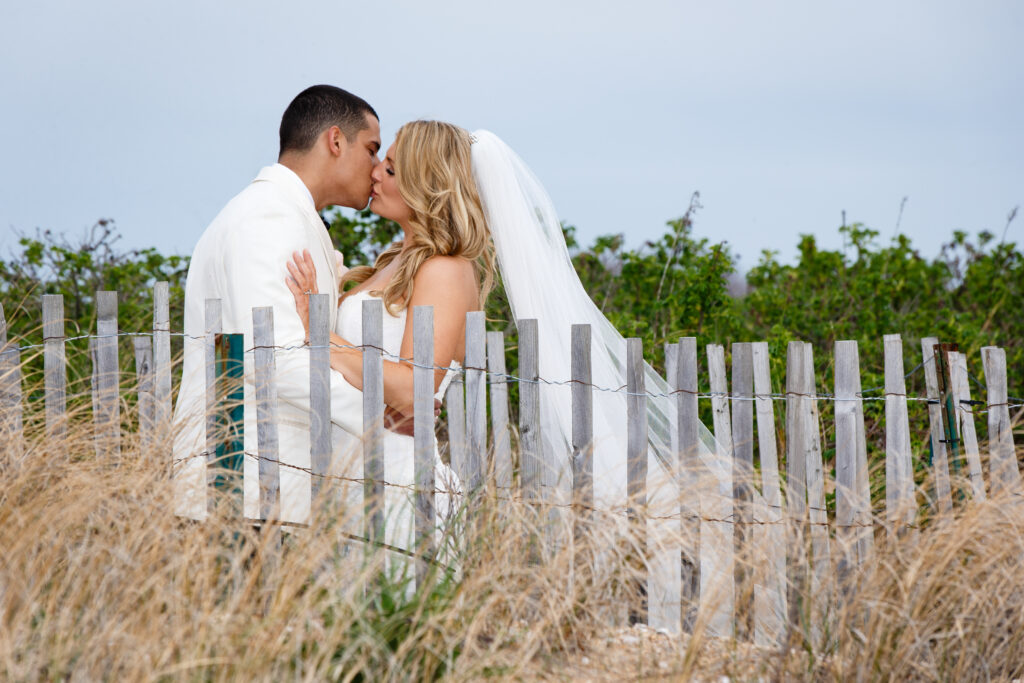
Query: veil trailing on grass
[542, 283]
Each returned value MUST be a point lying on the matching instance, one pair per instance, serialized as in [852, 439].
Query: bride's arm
[444, 282]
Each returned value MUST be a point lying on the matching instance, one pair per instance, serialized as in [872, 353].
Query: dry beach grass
[98, 580]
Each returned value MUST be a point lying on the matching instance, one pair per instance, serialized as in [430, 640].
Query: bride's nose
[375, 174]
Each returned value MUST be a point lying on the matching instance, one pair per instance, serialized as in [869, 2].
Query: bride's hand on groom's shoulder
[301, 283]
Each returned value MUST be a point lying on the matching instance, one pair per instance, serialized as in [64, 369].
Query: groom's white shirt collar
[287, 178]
[292, 175]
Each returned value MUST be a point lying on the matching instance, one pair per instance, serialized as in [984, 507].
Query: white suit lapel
[291, 185]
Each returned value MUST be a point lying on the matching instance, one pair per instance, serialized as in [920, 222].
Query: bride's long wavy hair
[435, 178]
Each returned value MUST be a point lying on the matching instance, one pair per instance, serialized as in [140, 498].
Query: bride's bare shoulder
[446, 269]
[446, 277]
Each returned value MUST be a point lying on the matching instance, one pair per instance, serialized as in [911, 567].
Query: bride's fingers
[300, 278]
[310, 267]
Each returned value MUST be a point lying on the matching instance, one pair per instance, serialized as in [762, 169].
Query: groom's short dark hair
[316, 109]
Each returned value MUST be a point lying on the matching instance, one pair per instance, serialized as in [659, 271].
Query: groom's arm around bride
[329, 144]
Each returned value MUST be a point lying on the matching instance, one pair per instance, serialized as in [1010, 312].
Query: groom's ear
[337, 143]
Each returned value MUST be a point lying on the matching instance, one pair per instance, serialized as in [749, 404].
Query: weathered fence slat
[143, 347]
[796, 487]
[531, 458]
[848, 443]
[940, 457]
[266, 412]
[770, 594]
[108, 417]
[423, 436]
[162, 365]
[502, 454]
[319, 394]
[961, 388]
[54, 367]
[582, 427]
[213, 327]
[1003, 471]
[821, 588]
[476, 401]
[373, 418]
[901, 508]
[636, 467]
[11, 426]
[690, 470]
[743, 484]
[718, 586]
[94, 393]
[455, 401]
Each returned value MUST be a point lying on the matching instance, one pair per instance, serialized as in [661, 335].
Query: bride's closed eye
[389, 171]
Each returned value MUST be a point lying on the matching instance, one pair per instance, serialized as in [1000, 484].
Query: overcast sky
[781, 114]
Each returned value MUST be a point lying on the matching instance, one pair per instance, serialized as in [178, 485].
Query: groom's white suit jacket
[240, 259]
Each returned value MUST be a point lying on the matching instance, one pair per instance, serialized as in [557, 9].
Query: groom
[329, 144]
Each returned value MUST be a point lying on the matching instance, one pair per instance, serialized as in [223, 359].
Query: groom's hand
[401, 423]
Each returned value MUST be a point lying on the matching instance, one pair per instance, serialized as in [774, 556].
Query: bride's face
[385, 200]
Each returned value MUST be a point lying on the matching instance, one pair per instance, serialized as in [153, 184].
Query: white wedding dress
[399, 471]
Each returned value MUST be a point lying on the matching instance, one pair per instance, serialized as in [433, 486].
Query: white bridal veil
[542, 283]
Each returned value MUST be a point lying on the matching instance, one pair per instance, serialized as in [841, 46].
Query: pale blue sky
[781, 114]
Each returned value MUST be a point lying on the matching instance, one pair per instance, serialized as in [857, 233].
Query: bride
[454, 194]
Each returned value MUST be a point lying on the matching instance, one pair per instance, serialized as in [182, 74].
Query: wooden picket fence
[807, 553]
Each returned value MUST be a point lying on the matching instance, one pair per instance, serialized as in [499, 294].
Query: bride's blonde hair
[435, 178]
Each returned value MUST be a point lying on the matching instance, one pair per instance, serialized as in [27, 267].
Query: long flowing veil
[542, 283]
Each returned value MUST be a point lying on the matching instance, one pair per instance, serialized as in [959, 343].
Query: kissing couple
[470, 210]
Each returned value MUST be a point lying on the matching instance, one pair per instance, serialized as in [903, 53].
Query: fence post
[940, 459]
[11, 427]
[55, 368]
[770, 604]
[423, 437]
[690, 479]
[530, 449]
[455, 402]
[582, 429]
[373, 419]
[162, 367]
[961, 389]
[718, 586]
[319, 395]
[499, 413]
[213, 327]
[900, 501]
[742, 484]
[796, 489]
[266, 413]
[816, 511]
[144, 382]
[108, 417]
[1003, 469]
[636, 467]
[848, 444]
[476, 402]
